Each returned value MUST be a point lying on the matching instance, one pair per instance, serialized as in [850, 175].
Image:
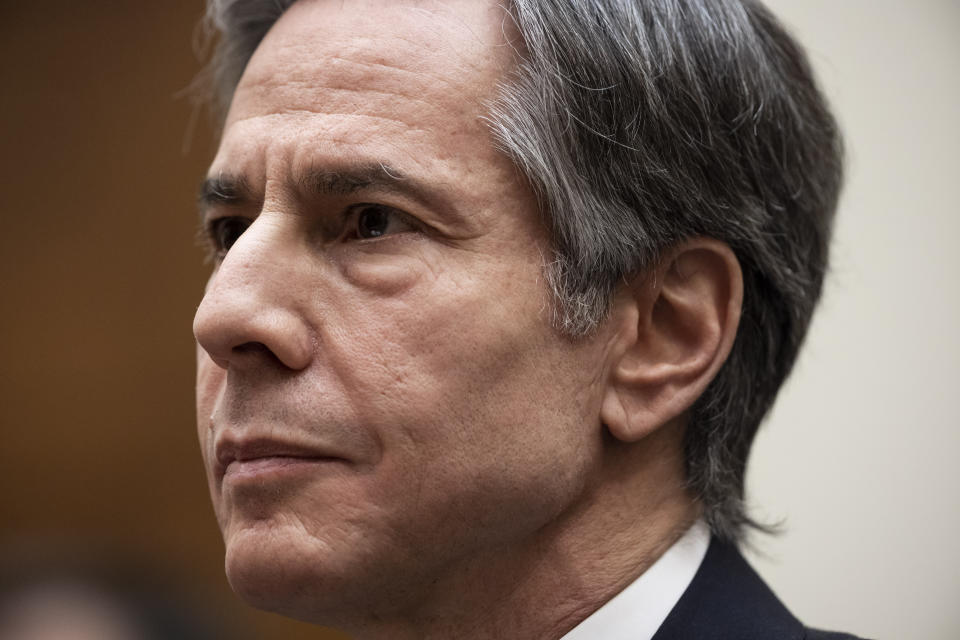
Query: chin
[273, 567]
[279, 567]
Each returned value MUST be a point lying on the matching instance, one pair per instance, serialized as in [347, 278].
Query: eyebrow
[345, 181]
[233, 190]
[348, 179]
[223, 189]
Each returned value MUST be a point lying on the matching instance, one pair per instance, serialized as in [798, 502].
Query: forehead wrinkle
[412, 52]
[316, 52]
[351, 90]
[314, 133]
[292, 91]
[313, 79]
[434, 78]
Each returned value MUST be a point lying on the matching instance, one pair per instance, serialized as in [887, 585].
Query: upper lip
[230, 449]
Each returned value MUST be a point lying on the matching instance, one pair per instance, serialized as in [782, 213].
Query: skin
[460, 468]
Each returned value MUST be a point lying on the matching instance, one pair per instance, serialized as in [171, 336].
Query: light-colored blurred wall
[859, 456]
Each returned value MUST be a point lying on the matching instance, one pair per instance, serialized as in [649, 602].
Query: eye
[224, 232]
[373, 221]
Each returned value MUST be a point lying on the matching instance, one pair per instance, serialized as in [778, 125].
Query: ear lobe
[686, 312]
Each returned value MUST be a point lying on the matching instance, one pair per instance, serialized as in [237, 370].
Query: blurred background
[100, 474]
[859, 457]
[99, 280]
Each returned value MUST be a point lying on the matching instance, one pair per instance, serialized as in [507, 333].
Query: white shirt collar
[638, 611]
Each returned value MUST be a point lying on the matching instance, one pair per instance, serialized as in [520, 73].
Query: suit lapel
[727, 600]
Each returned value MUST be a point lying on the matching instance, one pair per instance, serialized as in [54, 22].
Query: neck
[632, 512]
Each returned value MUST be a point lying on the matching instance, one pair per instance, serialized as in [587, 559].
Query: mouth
[259, 459]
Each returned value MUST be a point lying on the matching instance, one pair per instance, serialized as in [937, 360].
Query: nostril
[244, 328]
[253, 351]
[251, 347]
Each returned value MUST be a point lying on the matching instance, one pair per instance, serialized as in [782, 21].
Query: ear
[676, 326]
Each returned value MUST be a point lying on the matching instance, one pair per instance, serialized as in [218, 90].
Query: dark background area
[99, 279]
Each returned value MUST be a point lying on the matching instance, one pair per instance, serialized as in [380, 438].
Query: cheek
[458, 375]
[387, 268]
[210, 385]
[434, 343]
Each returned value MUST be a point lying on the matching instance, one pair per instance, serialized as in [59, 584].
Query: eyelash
[353, 220]
[214, 232]
[213, 235]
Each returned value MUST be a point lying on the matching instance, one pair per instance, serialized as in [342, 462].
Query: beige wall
[860, 454]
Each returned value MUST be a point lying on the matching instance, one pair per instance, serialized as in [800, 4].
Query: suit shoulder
[816, 634]
[728, 599]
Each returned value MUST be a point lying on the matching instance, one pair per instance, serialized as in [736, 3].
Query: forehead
[390, 76]
[403, 47]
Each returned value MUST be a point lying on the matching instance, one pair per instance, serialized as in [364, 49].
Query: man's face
[381, 399]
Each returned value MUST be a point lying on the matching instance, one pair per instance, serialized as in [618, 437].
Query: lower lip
[260, 469]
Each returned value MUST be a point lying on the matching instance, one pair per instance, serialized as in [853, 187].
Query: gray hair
[641, 123]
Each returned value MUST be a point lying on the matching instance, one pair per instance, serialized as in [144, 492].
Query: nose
[252, 308]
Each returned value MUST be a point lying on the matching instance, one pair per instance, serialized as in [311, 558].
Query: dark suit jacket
[727, 600]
